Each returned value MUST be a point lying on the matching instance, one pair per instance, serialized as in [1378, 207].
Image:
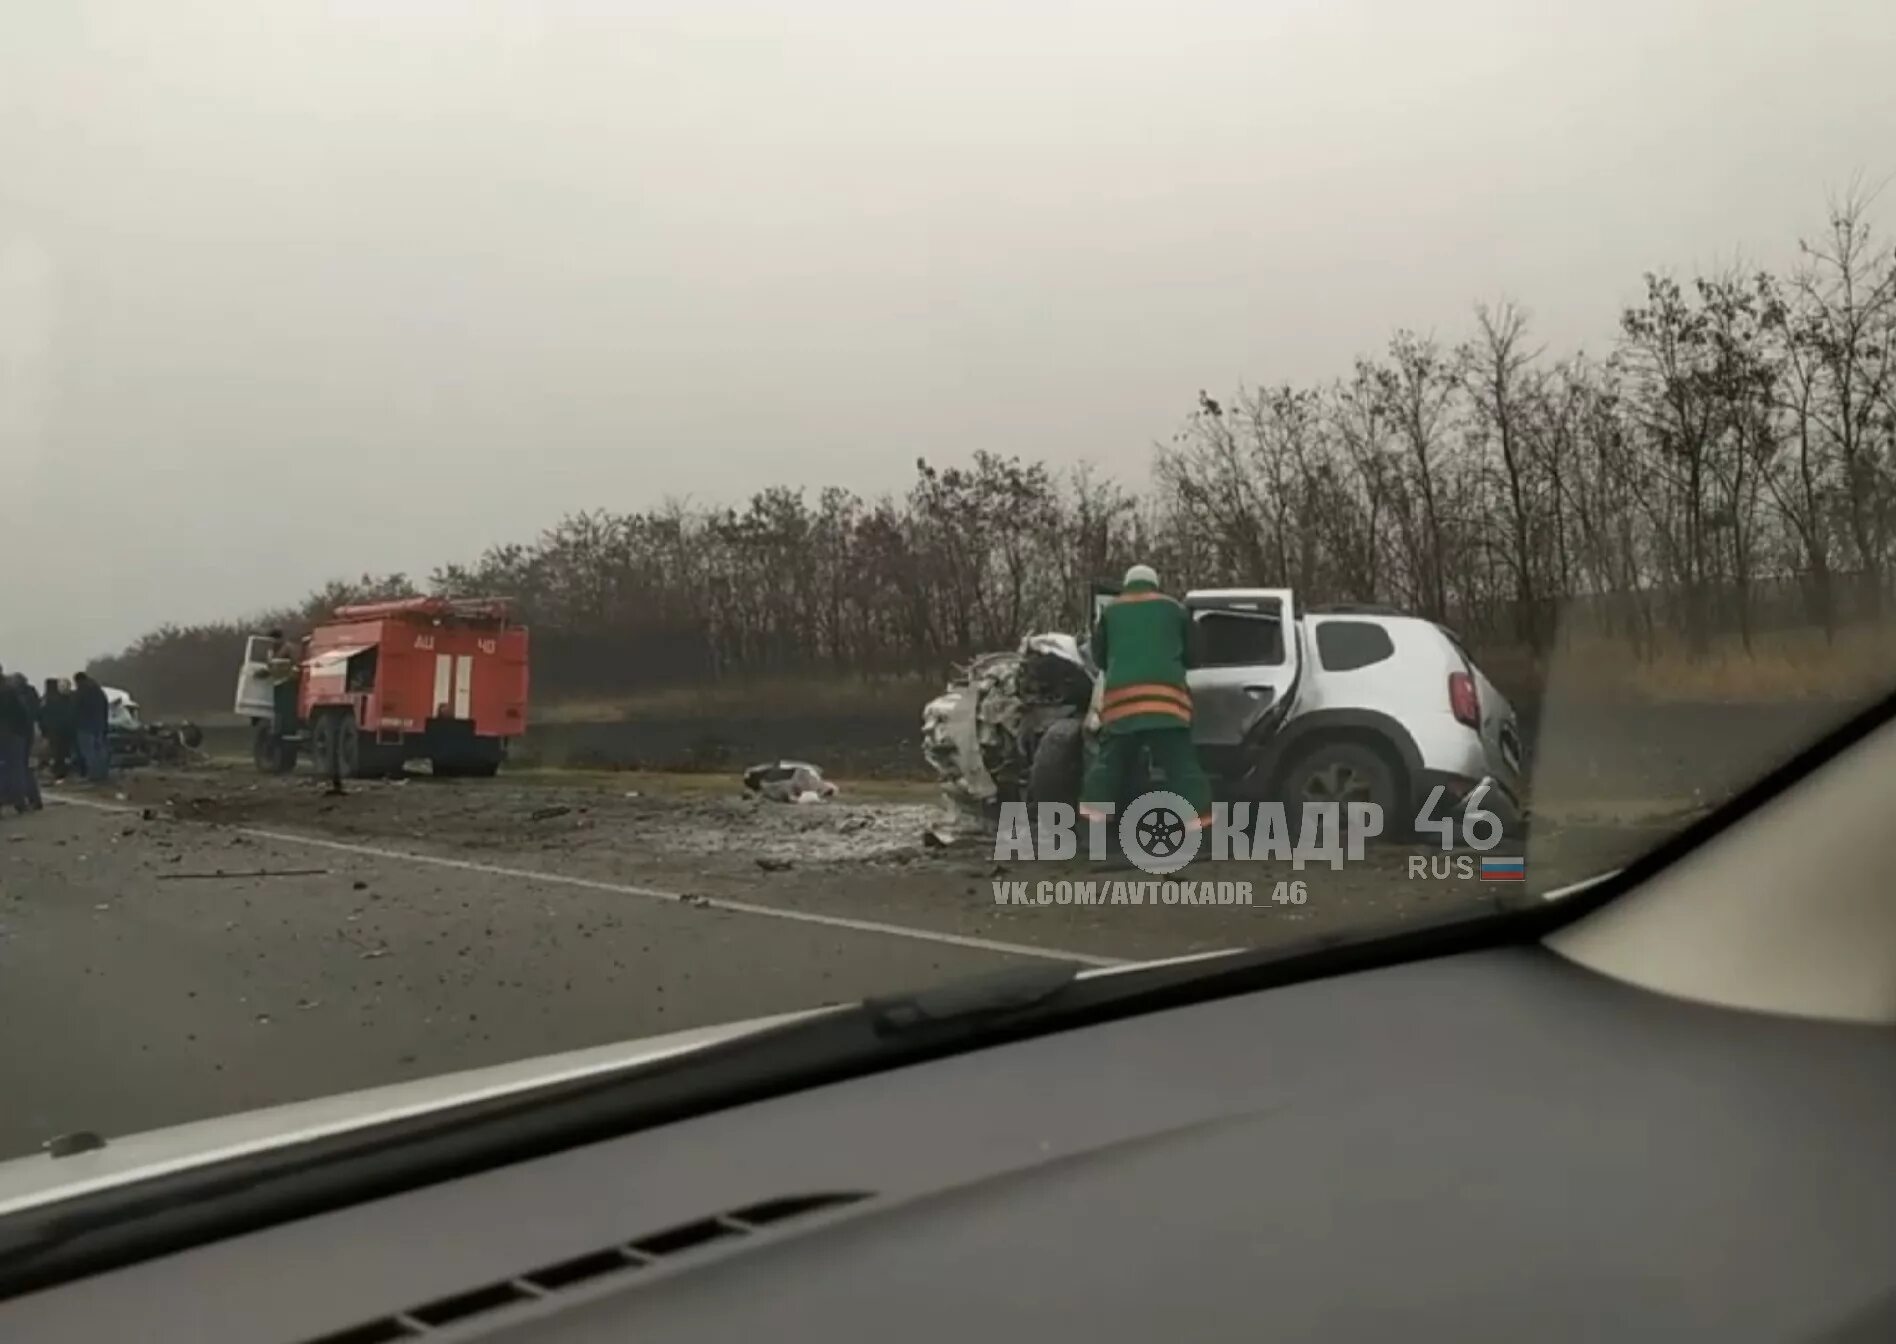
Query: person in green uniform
[1142, 644]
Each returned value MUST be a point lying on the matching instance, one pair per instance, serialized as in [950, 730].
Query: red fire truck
[432, 678]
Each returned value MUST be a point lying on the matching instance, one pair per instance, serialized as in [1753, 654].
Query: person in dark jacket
[91, 714]
[17, 786]
[59, 724]
[30, 700]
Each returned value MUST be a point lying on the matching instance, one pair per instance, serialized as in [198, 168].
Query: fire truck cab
[380, 684]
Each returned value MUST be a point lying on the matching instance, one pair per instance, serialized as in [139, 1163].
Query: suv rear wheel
[1344, 772]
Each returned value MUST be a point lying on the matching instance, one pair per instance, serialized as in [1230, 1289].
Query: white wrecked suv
[1337, 704]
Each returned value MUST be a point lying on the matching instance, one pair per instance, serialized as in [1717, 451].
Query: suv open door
[1246, 661]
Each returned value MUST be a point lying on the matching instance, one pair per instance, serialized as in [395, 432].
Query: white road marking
[649, 893]
[1574, 887]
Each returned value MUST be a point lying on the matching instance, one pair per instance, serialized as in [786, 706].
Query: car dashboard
[1497, 1144]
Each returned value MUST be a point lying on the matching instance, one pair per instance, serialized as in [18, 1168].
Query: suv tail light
[1464, 699]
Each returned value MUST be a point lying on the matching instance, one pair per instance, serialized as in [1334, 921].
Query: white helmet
[1142, 574]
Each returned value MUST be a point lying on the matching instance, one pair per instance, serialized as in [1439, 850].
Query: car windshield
[537, 526]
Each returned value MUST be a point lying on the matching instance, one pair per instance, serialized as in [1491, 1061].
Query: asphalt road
[134, 997]
[413, 930]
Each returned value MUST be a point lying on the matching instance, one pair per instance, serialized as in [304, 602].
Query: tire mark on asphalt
[648, 893]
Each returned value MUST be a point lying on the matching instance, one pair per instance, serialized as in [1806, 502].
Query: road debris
[771, 864]
[788, 782]
[547, 813]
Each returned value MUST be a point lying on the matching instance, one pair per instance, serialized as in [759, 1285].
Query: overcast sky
[293, 290]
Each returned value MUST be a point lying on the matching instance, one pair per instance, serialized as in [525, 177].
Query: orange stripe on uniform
[1146, 690]
[1128, 708]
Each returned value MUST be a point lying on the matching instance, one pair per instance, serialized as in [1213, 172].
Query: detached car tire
[1345, 772]
[1059, 761]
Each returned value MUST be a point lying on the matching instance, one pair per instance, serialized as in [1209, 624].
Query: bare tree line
[1738, 442]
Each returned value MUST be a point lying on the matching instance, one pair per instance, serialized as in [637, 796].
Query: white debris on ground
[789, 782]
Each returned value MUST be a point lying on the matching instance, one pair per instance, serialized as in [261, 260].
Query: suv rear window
[1343, 646]
[1228, 639]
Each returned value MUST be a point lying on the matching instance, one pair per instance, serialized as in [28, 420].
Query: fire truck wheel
[322, 733]
[349, 747]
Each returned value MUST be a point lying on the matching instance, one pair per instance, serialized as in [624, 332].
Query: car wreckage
[1334, 704]
[130, 740]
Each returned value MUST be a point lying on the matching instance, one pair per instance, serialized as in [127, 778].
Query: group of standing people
[70, 718]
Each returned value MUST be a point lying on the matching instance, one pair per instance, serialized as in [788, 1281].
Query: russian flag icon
[1503, 870]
